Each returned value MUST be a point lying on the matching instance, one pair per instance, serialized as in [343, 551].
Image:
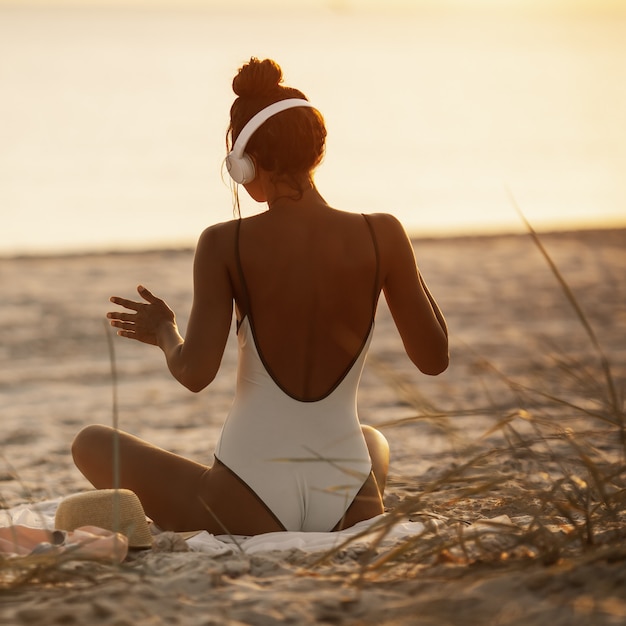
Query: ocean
[112, 120]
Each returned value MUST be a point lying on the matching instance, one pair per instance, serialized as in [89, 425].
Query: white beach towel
[41, 515]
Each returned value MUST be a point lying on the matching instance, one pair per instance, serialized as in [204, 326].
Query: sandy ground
[517, 349]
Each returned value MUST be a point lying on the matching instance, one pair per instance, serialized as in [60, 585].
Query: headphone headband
[239, 164]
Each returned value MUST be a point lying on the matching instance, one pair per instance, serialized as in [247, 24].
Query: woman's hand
[146, 321]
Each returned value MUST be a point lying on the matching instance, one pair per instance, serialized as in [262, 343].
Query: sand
[518, 352]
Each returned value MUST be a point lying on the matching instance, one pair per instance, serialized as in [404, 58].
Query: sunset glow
[434, 109]
[541, 6]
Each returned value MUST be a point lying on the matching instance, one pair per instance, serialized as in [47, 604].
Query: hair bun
[257, 78]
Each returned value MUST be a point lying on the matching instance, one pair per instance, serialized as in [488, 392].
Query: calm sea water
[112, 121]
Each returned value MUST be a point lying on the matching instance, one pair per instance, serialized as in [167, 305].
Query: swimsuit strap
[242, 279]
[244, 285]
[377, 255]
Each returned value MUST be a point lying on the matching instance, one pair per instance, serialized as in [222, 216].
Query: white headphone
[239, 164]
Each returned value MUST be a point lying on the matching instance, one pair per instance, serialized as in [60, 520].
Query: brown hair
[289, 145]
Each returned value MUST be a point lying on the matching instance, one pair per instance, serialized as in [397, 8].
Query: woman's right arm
[417, 316]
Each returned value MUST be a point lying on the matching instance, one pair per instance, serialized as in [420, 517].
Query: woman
[304, 279]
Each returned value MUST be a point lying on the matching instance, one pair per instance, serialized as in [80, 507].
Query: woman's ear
[255, 165]
[256, 187]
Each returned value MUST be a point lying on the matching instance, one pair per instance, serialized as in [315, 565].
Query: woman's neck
[285, 197]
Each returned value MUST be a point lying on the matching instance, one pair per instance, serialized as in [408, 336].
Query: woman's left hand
[146, 321]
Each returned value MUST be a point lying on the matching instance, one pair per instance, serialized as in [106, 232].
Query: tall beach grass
[549, 474]
[545, 481]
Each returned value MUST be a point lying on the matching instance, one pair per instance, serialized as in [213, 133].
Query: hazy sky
[136, 105]
[349, 5]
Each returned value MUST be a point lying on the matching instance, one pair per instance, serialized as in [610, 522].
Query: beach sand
[519, 352]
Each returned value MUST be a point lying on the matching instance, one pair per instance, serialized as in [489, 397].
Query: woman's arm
[195, 360]
[418, 318]
[433, 303]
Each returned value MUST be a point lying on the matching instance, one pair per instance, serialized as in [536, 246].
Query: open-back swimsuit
[305, 460]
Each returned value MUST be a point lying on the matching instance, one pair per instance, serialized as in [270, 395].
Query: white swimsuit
[306, 460]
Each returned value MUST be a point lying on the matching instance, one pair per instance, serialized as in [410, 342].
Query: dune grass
[555, 465]
[543, 483]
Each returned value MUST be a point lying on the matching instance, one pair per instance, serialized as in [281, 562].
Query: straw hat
[118, 510]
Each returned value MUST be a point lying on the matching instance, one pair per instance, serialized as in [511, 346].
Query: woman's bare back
[311, 277]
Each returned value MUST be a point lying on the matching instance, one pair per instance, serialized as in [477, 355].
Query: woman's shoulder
[220, 231]
[384, 220]
[387, 227]
[218, 240]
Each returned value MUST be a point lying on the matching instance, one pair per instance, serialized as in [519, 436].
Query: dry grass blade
[615, 402]
[572, 495]
[404, 388]
[114, 406]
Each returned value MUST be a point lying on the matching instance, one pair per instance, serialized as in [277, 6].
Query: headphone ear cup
[241, 169]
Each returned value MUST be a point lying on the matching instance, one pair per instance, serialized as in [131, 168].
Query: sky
[569, 6]
[531, 104]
